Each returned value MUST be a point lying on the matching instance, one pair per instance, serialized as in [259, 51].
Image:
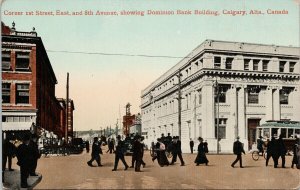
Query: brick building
[28, 85]
[71, 109]
[230, 86]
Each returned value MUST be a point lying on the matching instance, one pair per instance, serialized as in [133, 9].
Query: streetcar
[289, 129]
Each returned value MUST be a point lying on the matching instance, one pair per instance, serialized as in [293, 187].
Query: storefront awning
[16, 126]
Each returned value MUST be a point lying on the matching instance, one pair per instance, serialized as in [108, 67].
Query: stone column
[241, 123]
[296, 104]
[207, 108]
[269, 103]
[232, 121]
[276, 104]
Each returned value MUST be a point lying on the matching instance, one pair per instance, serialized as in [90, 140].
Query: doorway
[252, 124]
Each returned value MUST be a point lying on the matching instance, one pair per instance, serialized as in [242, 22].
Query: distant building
[129, 121]
[232, 86]
[71, 109]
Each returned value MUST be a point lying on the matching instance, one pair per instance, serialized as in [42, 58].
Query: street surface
[72, 172]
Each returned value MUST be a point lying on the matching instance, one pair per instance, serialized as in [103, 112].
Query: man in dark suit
[96, 151]
[9, 151]
[191, 145]
[35, 154]
[177, 152]
[25, 159]
[119, 154]
[238, 150]
[138, 153]
[281, 149]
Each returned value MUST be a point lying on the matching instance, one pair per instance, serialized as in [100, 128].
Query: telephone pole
[67, 110]
[179, 104]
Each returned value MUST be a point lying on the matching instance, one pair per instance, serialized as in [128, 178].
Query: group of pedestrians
[27, 154]
[277, 149]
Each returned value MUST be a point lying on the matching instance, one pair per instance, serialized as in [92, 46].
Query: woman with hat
[201, 157]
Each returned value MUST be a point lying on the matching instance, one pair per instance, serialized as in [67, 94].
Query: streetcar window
[274, 132]
[290, 133]
[283, 132]
[297, 132]
[266, 133]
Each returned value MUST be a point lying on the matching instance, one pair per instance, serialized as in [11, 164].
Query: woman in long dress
[163, 160]
[201, 157]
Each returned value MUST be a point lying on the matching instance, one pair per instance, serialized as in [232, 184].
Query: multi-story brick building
[239, 85]
[71, 109]
[28, 85]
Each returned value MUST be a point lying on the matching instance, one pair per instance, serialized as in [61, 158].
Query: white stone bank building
[241, 84]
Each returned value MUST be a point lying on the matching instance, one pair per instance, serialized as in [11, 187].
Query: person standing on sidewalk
[138, 153]
[119, 154]
[24, 156]
[177, 152]
[238, 150]
[87, 146]
[96, 151]
[191, 145]
[295, 152]
[201, 157]
[35, 154]
[9, 151]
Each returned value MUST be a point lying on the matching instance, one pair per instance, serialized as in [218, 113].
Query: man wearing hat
[137, 153]
[96, 151]
[238, 150]
[24, 156]
[119, 154]
[35, 154]
[177, 151]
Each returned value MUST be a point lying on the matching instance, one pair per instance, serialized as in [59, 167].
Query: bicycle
[256, 155]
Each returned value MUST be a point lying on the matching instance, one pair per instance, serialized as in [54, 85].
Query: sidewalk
[13, 180]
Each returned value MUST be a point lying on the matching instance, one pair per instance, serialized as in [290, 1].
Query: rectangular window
[220, 93]
[217, 62]
[22, 94]
[265, 65]
[6, 65]
[284, 96]
[200, 96]
[222, 128]
[246, 64]
[228, 63]
[255, 64]
[281, 66]
[292, 66]
[253, 95]
[22, 61]
[5, 92]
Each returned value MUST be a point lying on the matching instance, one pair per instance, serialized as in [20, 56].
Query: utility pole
[67, 110]
[179, 104]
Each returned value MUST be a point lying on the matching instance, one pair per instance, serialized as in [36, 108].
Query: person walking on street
[269, 151]
[111, 146]
[295, 151]
[201, 157]
[191, 145]
[24, 156]
[138, 153]
[87, 146]
[238, 150]
[281, 149]
[96, 151]
[119, 154]
[35, 154]
[177, 152]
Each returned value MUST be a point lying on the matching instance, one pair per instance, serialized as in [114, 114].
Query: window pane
[246, 64]
[292, 66]
[255, 64]
[228, 63]
[217, 62]
[265, 65]
[281, 66]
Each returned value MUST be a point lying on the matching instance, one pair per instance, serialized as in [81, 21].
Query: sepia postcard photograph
[150, 94]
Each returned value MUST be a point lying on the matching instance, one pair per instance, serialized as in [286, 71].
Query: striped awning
[16, 126]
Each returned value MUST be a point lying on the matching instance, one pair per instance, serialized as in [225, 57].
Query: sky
[101, 85]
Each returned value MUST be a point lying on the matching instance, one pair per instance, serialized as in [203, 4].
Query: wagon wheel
[255, 155]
